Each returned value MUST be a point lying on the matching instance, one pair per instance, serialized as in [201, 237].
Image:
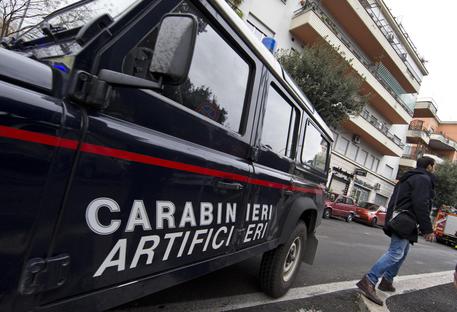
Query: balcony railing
[417, 125]
[442, 137]
[312, 5]
[398, 48]
[382, 127]
[429, 105]
[412, 156]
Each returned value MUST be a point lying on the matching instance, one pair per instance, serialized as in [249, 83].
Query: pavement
[346, 251]
[415, 293]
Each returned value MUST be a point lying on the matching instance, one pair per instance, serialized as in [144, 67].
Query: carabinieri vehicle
[143, 149]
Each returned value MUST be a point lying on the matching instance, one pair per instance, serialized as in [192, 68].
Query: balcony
[425, 109]
[400, 41]
[417, 134]
[369, 31]
[408, 161]
[440, 141]
[311, 24]
[375, 133]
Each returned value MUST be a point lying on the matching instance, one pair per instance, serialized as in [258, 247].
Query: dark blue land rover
[154, 143]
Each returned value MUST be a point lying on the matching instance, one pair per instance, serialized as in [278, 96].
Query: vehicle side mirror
[174, 48]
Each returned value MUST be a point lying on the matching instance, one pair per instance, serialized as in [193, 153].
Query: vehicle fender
[300, 207]
[297, 209]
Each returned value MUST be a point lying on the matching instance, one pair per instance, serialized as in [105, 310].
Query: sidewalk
[442, 298]
[415, 293]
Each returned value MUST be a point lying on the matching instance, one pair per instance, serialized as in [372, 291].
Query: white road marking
[402, 283]
[408, 283]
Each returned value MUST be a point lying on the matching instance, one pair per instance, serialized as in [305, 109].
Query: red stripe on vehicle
[39, 138]
[36, 137]
[145, 159]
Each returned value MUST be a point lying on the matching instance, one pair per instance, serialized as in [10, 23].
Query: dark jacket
[415, 193]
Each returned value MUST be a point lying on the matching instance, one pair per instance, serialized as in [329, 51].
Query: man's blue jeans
[389, 264]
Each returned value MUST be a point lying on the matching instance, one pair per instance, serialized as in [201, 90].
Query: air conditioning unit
[377, 186]
[356, 139]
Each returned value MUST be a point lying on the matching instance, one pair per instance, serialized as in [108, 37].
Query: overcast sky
[431, 26]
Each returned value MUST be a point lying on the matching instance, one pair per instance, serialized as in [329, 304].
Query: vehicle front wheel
[280, 266]
[327, 213]
[349, 218]
[374, 222]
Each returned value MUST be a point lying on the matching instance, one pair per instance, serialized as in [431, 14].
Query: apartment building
[428, 136]
[367, 149]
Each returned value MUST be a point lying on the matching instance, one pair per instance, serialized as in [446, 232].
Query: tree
[446, 184]
[328, 80]
[17, 16]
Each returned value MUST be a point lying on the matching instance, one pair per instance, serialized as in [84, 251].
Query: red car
[339, 206]
[370, 213]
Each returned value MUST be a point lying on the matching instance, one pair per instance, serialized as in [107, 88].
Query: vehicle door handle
[288, 192]
[235, 186]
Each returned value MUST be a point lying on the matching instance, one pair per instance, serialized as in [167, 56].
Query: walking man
[414, 192]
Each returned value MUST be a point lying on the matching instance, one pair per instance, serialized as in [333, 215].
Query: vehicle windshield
[331, 196]
[76, 16]
[369, 206]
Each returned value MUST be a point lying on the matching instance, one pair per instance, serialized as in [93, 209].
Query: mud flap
[311, 248]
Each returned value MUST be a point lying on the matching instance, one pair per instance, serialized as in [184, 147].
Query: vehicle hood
[20, 69]
[328, 203]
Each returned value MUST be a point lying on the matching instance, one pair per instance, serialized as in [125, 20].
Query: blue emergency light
[270, 43]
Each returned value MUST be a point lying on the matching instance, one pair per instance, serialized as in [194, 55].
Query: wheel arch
[303, 209]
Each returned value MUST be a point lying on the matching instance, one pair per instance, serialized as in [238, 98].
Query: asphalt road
[346, 251]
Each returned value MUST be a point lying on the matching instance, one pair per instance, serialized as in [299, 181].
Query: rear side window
[278, 124]
[315, 149]
[350, 201]
[218, 78]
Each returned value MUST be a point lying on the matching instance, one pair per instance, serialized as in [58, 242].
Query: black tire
[327, 213]
[374, 222]
[349, 218]
[275, 277]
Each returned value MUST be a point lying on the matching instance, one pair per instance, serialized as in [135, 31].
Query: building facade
[427, 135]
[367, 148]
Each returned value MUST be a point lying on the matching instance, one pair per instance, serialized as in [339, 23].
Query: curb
[406, 284]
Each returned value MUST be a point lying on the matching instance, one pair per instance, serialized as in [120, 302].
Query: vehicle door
[272, 180]
[162, 176]
[38, 140]
[339, 206]
[350, 206]
[381, 215]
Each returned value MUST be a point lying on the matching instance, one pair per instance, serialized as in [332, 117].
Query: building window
[342, 145]
[352, 151]
[360, 194]
[362, 157]
[278, 124]
[380, 200]
[389, 172]
[375, 165]
[370, 162]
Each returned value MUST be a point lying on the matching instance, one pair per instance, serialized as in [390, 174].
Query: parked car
[371, 213]
[337, 205]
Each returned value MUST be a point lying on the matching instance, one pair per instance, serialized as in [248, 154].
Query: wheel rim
[374, 221]
[327, 213]
[349, 218]
[292, 259]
